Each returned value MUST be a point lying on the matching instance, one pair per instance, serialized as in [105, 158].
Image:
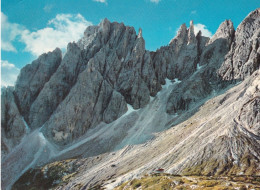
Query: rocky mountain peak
[184, 35]
[225, 30]
[104, 24]
[180, 37]
[244, 56]
[140, 35]
[90, 30]
[191, 35]
[247, 27]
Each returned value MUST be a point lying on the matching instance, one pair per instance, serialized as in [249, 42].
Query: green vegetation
[248, 166]
[167, 181]
[47, 177]
[208, 175]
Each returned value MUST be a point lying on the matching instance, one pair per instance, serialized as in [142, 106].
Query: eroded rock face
[226, 31]
[33, 77]
[179, 59]
[109, 80]
[243, 58]
[89, 102]
[204, 81]
[12, 125]
[57, 88]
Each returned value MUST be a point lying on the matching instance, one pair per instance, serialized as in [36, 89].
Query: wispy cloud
[193, 12]
[10, 32]
[101, 1]
[9, 73]
[155, 1]
[47, 8]
[203, 28]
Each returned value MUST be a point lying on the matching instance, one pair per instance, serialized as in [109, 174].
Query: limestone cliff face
[12, 126]
[33, 77]
[109, 91]
[244, 56]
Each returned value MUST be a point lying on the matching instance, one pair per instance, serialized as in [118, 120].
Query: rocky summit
[109, 110]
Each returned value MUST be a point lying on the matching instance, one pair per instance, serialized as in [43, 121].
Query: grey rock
[191, 35]
[186, 93]
[180, 39]
[33, 77]
[80, 109]
[118, 63]
[12, 126]
[226, 31]
[56, 89]
[205, 81]
[115, 108]
[243, 58]
[179, 59]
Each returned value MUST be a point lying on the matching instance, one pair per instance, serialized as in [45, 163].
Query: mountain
[110, 110]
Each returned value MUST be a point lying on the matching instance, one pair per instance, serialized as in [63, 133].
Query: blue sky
[32, 27]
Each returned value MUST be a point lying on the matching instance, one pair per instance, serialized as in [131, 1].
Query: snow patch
[199, 67]
[168, 83]
[42, 138]
[176, 80]
[130, 109]
[27, 128]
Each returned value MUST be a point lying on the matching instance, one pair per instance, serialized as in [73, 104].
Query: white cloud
[61, 30]
[9, 73]
[201, 27]
[10, 31]
[155, 1]
[101, 1]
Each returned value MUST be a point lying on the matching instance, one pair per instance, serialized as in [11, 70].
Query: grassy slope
[167, 181]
